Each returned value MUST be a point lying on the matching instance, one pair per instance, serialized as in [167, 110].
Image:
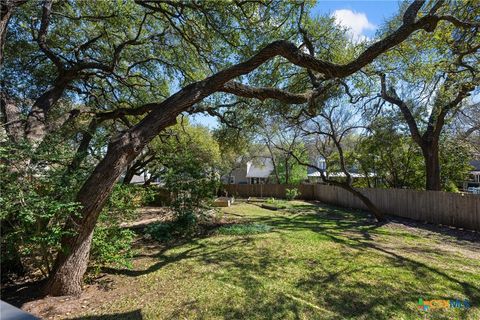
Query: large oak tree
[429, 79]
[202, 48]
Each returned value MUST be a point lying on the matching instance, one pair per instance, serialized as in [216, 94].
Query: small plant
[244, 229]
[274, 204]
[291, 194]
[271, 201]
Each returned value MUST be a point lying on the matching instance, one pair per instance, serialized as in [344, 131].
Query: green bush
[244, 229]
[291, 194]
[112, 245]
[36, 198]
[165, 231]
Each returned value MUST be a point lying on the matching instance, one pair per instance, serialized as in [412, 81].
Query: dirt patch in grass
[440, 238]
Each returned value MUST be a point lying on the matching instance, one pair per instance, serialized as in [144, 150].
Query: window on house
[232, 180]
[257, 180]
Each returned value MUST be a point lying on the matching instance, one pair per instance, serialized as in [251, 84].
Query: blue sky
[361, 17]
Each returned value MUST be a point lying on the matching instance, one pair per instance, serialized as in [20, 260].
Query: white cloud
[356, 22]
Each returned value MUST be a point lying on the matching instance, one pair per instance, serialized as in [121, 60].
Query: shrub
[124, 201]
[112, 245]
[271, 201]
[36, 198]
[244, 229]
[291, 194]
[165, 231]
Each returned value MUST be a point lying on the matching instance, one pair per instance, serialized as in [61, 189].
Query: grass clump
[279, 204]
[244, 229]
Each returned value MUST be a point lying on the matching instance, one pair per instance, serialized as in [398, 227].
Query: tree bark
[36, 125]
[72, 261]
[432, 166]
[6, 13]
[12, 120]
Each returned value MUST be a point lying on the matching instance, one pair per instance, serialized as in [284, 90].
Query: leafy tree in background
[429, 79]
[466, 128]
[289, 169]
[191, 160]
[397, 162]
[331, 134]
[391, 156]
[455, 156]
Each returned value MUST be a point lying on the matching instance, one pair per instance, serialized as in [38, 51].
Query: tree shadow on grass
[361, 238]
[335, 287]
[360, 292]
[369, 291]
[195, 249]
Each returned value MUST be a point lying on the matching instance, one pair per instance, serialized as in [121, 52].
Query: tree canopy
[101, 82]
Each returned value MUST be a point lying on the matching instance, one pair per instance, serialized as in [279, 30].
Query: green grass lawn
[303, 262]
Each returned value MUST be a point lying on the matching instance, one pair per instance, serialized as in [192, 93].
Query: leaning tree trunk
[379, 216]
[432, 167]
[72, 261]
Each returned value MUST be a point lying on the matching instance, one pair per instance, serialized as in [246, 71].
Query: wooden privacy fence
[453, 209]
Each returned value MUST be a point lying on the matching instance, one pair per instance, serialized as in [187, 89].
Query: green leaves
[112, 245]
[35, 202]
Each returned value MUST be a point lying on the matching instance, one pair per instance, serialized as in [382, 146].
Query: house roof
[260, 168]
[340, 175]
[475, 164]
[138, 179]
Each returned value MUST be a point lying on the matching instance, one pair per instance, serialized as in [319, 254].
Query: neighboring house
[140, 179]
[259, 170]
[144, 178]
[315, 176]
[474, 177]
[256, 171]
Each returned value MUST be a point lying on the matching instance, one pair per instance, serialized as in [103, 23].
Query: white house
[260, 169]
[473, 182]
[313, 174]
[256, 171]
